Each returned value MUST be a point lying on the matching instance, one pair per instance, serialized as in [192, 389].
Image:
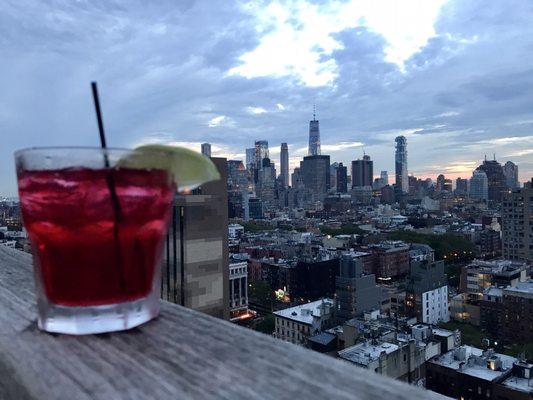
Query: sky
[454, 77]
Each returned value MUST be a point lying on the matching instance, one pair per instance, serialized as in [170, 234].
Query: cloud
[216, 121]
[256, 110]
[280, 106]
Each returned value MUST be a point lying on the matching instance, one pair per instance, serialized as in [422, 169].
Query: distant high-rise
[261, 152]
[316, 176]
[510, 170]
[461, 186]
[206, 149]
[342, 179]
[385, 177]
[479, 186]
[314, 137]
[517, 224]
[495, 177]
[284, 164]
[402, 180]
[362, 172]
[440, 183]
[250, 154]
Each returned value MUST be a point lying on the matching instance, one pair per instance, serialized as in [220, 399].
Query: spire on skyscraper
[314, 135]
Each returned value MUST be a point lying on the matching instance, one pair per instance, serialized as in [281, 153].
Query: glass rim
[92, 148]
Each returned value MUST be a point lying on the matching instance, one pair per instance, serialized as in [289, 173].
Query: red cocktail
[97, 235]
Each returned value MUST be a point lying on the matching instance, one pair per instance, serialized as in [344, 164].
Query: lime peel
[188, 168]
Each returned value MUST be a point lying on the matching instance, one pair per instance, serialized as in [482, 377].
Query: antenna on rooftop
[314, 112]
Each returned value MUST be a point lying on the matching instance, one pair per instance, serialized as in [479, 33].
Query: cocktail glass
[97, 232]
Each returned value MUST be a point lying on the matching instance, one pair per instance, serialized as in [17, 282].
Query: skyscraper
[250, 158]
[284, 164]
[495, 177]
[314, 136]
[206, 149]
[385, 177]
[342, 179]
[440, 183]
[517, 224]
[260, 152]
[510, 170]
[479, 186]
[402, 180]
[461, 186]
[316, 176]
[362, 172]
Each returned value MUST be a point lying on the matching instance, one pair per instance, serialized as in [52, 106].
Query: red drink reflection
[84, 256]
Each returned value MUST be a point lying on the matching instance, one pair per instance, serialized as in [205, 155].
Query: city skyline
[255, 70]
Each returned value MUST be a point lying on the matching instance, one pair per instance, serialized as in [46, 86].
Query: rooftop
[476, 362]
[366, 352]
[305, 313]
[521, 287]
[181, 354]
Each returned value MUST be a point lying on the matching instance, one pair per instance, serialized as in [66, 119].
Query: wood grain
[182, 354]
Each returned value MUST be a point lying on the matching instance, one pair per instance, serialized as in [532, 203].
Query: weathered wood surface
[183, 354]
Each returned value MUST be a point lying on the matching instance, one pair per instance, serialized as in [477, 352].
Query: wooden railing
[182, 354]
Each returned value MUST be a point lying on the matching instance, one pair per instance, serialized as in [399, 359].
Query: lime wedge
[189, 168]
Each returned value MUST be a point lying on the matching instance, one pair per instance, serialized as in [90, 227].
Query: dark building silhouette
[362, 172]
[315, 279]
[496, 179]
[342, 179]
[316, 176]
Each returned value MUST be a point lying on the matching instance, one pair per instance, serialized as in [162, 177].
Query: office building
[479, 186]
[447, 185]
[402, 181]
[342, 179]
[427, 292]
[255, 208]
[356, 292]
[284, 165]
[495, 178]
[314, 137]
[206, 149]
[384, 177]
[195, 261]
[440, 183]
[517, 225]
[315, 176]
[510, 170]
[250, 158]
[461, 187]
[362, 172]
[266, 184]
[296, 324]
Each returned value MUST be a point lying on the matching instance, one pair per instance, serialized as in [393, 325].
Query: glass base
[98, 319]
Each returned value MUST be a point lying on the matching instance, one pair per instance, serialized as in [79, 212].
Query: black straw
[110, 184]
[99, 117]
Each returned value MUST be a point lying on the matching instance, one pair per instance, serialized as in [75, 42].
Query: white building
[238, 288]
[296, 324]
[235, 231]
[435, 306]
